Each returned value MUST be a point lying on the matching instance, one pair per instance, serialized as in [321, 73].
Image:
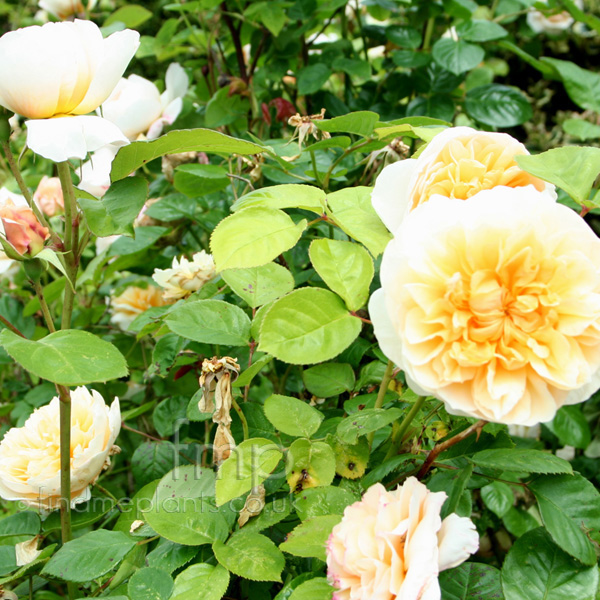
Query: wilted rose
[394, 544]
[132, 303]
[185, 276]
[458, 163]
[49, 196]
[492, 304]
[56, 74]
[30, 455]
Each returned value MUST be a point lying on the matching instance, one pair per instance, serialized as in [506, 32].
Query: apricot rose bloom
[30, 455]
[132, 303]
[458, 163]
[492, 305]
[54, 75]
[185, 276]
[21, 229]
[49, 196]
[392, 545]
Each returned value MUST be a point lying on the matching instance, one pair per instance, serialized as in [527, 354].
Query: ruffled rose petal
[457, 539]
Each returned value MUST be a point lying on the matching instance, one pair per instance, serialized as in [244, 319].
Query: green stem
[314, 166]
[401, 430]
[428, 33]
[65, 463]
[385, 382]
[242, 417]
[44, 306]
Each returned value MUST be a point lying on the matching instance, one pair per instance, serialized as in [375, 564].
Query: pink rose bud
[49, 196]
[21, 229]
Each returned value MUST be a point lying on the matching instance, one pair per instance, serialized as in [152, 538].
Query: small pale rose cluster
[30, 455]
[185, 276]
[553, 24]
[132, 303]
[490, 297]
[19, 226]
[393, 545]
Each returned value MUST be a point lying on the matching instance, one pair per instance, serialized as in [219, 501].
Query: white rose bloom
[552, 24]
[54, 75]
[30, 455]
[137, 108]
[95, 173]
[65, 8]
[185, 277]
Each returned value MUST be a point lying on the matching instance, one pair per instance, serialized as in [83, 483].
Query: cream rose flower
[65, 8]
[457, 163]
[492, 304]
[30, 455]
[553, 23]
[185, 276]
[132, 303]
[56, 74]
[392, 545]
[49, 196]
[136, 106]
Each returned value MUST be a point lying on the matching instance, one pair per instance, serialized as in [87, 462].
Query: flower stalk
[387, 377]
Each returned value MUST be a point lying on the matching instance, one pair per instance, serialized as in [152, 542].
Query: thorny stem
[10, 326]
[235, 34]
[439, 448]
[387, 376]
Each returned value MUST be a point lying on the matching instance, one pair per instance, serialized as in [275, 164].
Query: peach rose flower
[492, 305]
[185, 276]
[21, 229]
[132, 303]
[457, 163]
[30, 455]
[392, 545]
[49, 196]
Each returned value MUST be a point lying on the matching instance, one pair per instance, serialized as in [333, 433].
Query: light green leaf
[51, 256]
[253, 237]
[144, 237]
[248, 375]
[457, 56]
[361, 123]
[345, 267]
[68, 357]
[582, 130]
[260, 285]
[537, 569]
[352, 211]
[314, 589]
[115, 213]
[582, 85]
[198, 180]
[572, 168]
[150, 583]
[136, 154]
[471, 581]
[89, 556]
[170, 556]
[309, 464]
[291, 195]
[132, 16]
[312, 78]
[251, 556]
[213, 581]
[273, 512]
[480, 30]
[325, 500]
[350, 459]
[210, 322]
[307, 326]
[329, 379]
[292, 416]
[309, 538]
[366, 421]
[521, 460]
[249, 465]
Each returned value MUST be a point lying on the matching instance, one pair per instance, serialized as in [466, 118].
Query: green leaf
[325, 500]
[144, 238]
[248, 375]
[526, 461]
[314, 589]
[273, 17]
[23, 523]
[312, 78]
[291, 195]
[518, 522]
[329, 379]
[582, 85]
[292, 416]
[68, 357]
[360, 69]
[361, 123]
[309, 464]
[260, 285]
[309, 538]
[251, 556]
[567, 502]
[115, 213]
[582, 130]
[224, 109]
[169, 556]
[457, 56]
[273, 512]
[152, 460]
[352, 211]
[366, 421]
[89, 556]
[350, 459]
[134, 155]
[210, 322]
[150, 584]
[471, 581]
[199, 180]
[308, 325]
[249, 465]
[537, 569]
[50, 256]
[572, 168]
[181, 509]
[571, 427]
[498, 497]
[404, 36]
[213, 581]
[457, 490]
[253, 237]
[132, 16]
[345, 267]
[498, 105]
[479, 30]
